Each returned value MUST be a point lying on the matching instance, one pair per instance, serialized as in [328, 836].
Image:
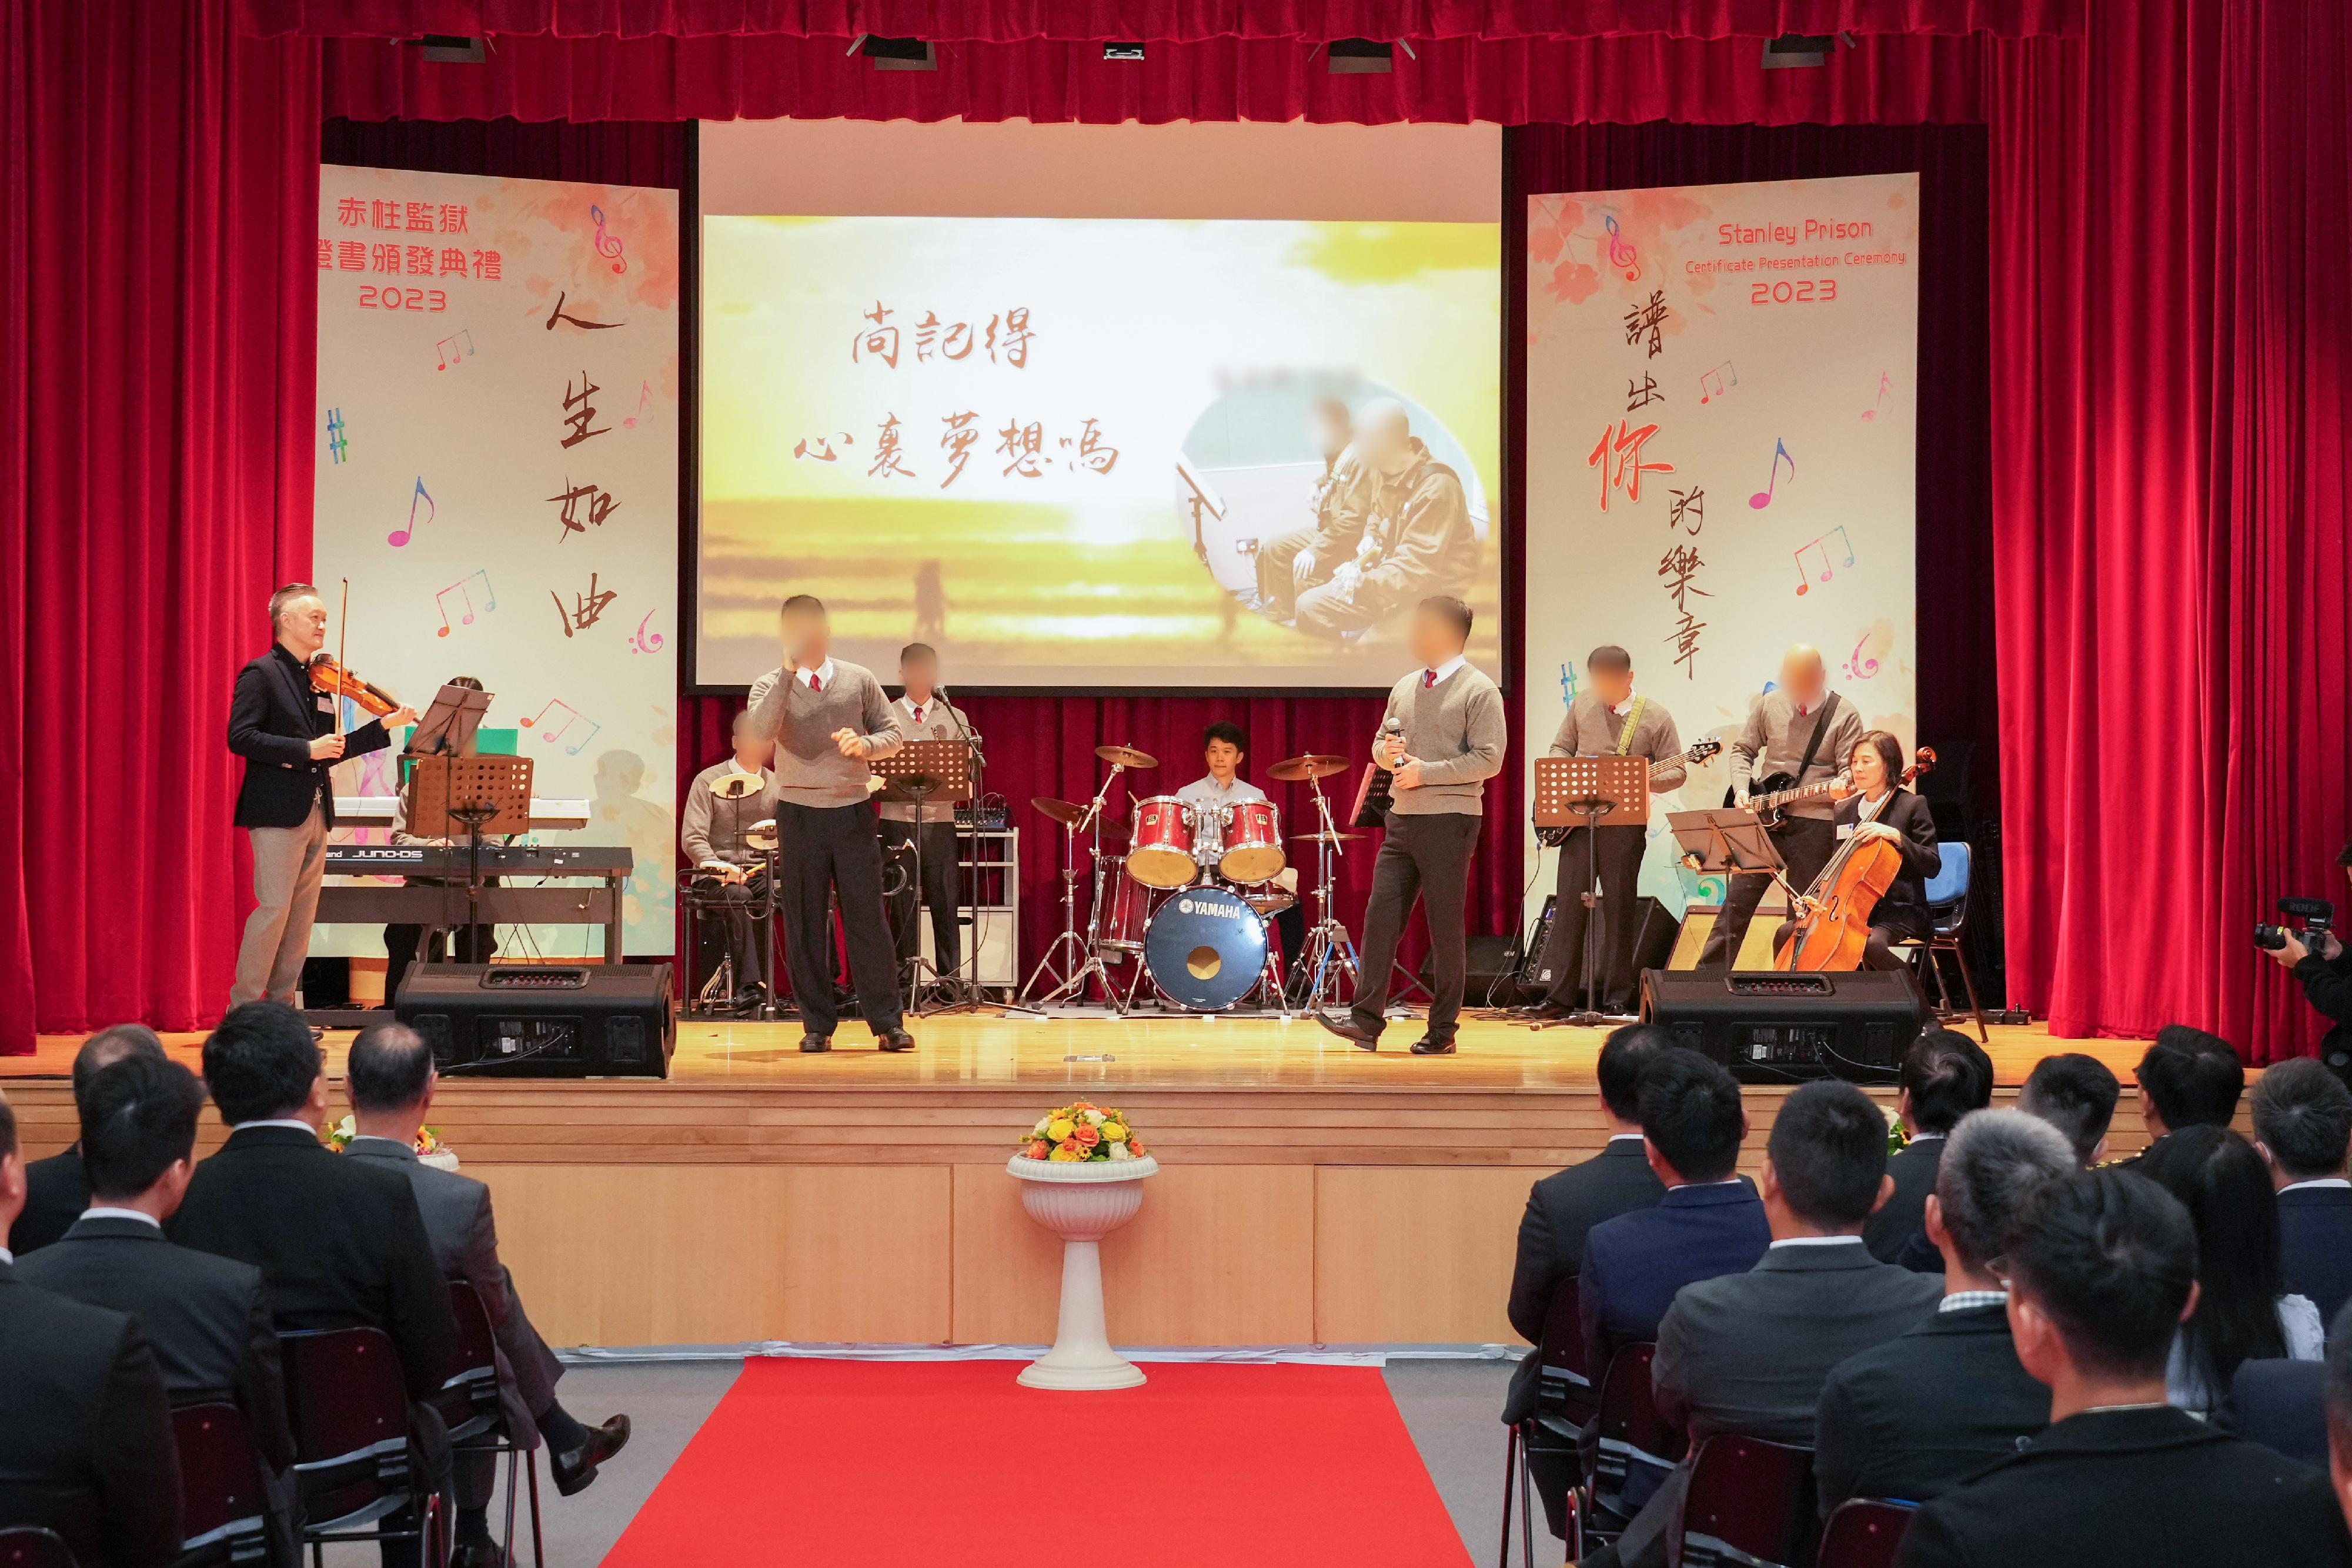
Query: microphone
[1391, 727]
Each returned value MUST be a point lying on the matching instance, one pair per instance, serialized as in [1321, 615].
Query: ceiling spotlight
[1794, 51]
[1362, 57]
[897, 54]
[449, 48]
[1122, 49]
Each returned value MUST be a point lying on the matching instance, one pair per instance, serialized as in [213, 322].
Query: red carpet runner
[953, 1465]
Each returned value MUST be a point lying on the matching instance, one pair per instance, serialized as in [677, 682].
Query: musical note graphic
[399, 537]
[645, 396]
[450, 350]
[462, 587]
[1620, 249]
[1876, 638]
[1567, 682]
[546, 716]
[1711, 384]
[643, 640]
[1763, 498]
[1822, 545]
[607, 245]
[337, 442]
[1884, 386]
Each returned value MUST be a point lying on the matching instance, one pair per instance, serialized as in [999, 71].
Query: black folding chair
[30, 1546]
[1636, 1447]
[1564, 1403]
[1863, 1533]
[224, 1510]
[469, 1402]
[348, 1406]
[1750, 1504]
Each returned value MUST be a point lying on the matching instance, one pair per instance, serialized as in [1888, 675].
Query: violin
[1833, 927]
[327, 675]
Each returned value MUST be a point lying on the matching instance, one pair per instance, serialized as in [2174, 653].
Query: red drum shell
[1161, 853]
[1253, 848]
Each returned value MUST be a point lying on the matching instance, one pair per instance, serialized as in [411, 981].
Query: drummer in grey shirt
[1225, 747]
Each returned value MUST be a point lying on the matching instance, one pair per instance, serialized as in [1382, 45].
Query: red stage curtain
[2173, 358]
[1015, 21]
[159, 191]
[1886, 79]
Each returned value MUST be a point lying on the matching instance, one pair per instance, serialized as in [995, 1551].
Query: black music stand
[1572, 791]
[470, 795]
[917, 772]
[448, 726]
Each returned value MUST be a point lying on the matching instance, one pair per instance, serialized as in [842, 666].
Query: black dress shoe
[1349, 1030]
[816, 1042]
[575, 1470]
[476, 1555]
[1430, 1045]
[895, 1039]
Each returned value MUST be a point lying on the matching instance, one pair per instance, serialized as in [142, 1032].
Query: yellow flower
[1116, 1132]
[1067, 1153]
[1060, 1128]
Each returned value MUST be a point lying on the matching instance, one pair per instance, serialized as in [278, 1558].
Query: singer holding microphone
[827, 717]
[1442, 740]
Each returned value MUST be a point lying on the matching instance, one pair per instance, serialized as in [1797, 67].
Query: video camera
[2318, 916]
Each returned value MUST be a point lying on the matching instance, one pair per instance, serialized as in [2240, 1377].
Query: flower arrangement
[1079, 1132]
[339, 1136]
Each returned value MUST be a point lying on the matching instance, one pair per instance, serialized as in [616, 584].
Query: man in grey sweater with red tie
[1442, 738]
[828, 717]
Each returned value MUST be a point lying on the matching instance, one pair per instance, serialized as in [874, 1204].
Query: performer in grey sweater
[1443, 738]
[828, 717]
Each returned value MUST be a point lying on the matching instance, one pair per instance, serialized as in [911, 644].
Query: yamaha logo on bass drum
[1222, 911]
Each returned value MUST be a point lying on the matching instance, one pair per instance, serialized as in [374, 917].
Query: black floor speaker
[543, 1020]
[1488, 977]
[1769, 1026]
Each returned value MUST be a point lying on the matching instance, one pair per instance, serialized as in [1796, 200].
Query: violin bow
[342, 642]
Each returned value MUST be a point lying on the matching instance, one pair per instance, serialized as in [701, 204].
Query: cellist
[1873, 794]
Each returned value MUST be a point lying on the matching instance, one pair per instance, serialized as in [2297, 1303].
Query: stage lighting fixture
[1792, 51]
[1362, 57]
[1122, 49]
[896, 54]
[449, 48]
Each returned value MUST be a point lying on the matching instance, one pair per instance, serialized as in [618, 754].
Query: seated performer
[475, 945]
[828, 717]
[716, 836]
[924, 714]
[1417, 540]
[1224, 747]
[1291, 563]
[1608, 719]
[1901, 913]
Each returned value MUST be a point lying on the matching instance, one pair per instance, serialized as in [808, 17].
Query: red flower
[1090, 1137]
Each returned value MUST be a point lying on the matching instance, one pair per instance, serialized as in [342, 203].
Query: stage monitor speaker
[1771, 1027]
[1698, 925]
[543, 1020]
[1489, 973]
[1655, 933]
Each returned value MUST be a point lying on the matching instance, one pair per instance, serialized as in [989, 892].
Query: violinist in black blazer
[1874, 765]
[286, 733]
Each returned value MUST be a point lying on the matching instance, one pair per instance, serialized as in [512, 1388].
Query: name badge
[326, 703]
[1845, 829]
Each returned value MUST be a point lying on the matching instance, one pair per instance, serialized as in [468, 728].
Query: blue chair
[1948, 915]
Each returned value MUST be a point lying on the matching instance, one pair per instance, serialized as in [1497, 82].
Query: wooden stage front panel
[1310, 1192]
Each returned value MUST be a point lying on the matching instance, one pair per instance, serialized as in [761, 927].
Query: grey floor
[1449, 1406]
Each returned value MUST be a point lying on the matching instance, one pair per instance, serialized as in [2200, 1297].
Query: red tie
[813, 682]
[1428, 679]
[919, 712]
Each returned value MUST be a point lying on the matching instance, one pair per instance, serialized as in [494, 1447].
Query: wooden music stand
[1578, 791]
[450, 797]
[919, 772]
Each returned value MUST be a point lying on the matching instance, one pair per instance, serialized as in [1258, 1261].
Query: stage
[1310, 1193]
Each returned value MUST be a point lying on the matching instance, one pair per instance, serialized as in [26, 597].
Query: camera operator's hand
[2328, 946]
[2291, 952]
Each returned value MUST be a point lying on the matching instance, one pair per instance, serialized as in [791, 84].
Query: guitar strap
[1821, 728]
[1632, 723]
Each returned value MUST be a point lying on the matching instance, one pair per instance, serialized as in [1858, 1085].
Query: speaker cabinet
[1769, 1027]
[1698, 925]
[543, 1020]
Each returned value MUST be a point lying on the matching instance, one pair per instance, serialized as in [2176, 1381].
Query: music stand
[1373, 792]
[1573, 792]
[473, 795]
[448, 726]
[917, 772]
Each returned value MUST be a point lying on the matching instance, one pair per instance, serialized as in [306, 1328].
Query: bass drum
[1206, 950]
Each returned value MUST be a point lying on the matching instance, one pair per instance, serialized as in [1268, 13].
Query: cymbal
[1327, 838]
[735, 786]
[1062, 811]
[1127, 757]
[1298, 769]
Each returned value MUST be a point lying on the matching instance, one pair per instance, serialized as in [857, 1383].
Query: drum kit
[1187, 904]
[707, 891]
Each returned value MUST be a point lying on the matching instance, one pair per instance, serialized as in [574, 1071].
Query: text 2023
[389, 298]
[1802, 291]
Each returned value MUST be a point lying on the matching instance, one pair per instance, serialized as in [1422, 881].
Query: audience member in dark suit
[86, 1445]
[2303, 1126]
[2339, 1408]
[2077, 1094]
[206, 1318]
[1945, 1076]
[2188, 1078]
[389, 1076]
[339, 1242]
[1561, 1209]
[57, 1190]
[2280, 1404]
[1749, 1353]
[1912, 1416]
[1564, 1206]
[2100, 1277]
[1710, 1221]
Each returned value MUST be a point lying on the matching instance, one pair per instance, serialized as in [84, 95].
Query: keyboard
[497, 860]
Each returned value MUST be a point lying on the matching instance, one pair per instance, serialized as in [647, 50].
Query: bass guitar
[1695, 752]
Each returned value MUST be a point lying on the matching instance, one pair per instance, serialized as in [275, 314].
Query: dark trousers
[1806, 843]
[941, 856]
[1620, 851]
[1425, 857]
[837, 851]
[730, 932]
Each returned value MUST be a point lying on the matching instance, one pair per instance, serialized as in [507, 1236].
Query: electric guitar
[1769, 797]
[1695, 752]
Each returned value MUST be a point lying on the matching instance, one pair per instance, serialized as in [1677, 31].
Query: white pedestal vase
[1082, 1202]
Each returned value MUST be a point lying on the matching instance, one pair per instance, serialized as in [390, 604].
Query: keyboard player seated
[476, 944]
[715, 834]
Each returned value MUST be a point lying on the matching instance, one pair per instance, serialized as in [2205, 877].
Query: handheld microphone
[1391, 727]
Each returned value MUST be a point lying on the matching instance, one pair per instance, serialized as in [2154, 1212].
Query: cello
[1834, 914]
